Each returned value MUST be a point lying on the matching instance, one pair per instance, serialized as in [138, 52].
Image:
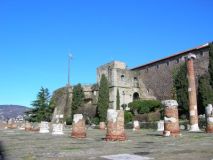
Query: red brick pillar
[115, 125]
[193, 119]
[209, 119]
[78, 126]
[102, 125]
[171, 121]
[136, 126]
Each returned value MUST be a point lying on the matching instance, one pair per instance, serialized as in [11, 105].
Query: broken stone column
[11, 124]
[115, 125]
[102, 125]
[44, 127]
[193, 119]
[78, 126]
[160, 125]
[209, 119]
[28, 126]
[171, 121]
[58, 129]
[136, 126]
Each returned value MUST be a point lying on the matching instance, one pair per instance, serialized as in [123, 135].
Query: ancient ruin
[171, 119]
[193, 119]
[115, 125]
[44, 127]
[102, 125]
[149, 81]
[209, 119]
[78, 126]
[136, 125]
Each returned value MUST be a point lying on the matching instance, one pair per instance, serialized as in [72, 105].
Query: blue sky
[36, 37]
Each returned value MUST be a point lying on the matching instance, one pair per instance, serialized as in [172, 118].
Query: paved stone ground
[21, 145]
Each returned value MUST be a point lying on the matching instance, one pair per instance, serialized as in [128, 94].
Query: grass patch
[70, 148]
[29, 157]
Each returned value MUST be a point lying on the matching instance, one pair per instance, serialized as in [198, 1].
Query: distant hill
[11, 111]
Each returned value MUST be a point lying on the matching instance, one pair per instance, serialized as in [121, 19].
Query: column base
[194, 128]
[116, 137]
[78, 135]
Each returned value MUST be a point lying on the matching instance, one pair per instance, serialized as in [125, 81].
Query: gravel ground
[21, 145]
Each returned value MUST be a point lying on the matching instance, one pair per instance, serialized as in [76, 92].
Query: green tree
[118, 100]
[42, 107]
[180, 84]
[77, 98]
[205, 93]
[103, 99]
[210, 69]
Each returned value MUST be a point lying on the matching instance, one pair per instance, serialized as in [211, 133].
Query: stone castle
[149, 81]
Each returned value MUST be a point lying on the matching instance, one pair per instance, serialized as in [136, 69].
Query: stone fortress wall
[149, 81]
[157, 76]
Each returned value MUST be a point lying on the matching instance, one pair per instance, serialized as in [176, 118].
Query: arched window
[122, 77]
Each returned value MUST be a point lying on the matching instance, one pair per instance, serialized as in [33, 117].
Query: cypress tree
[210, 69]
[118, 100]
[77, 98]
[180, 84]
[205, 94]
[103, 99]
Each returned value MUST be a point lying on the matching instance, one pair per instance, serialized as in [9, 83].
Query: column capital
[191, 56]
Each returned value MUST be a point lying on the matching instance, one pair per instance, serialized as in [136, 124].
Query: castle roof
[179, 54]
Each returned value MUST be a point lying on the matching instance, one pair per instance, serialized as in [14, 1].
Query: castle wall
[157, 76]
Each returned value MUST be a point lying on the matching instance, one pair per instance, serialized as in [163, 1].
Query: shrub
[144, 106]
[154, 116]
[127, 117]
[95, 121]
[68, 121]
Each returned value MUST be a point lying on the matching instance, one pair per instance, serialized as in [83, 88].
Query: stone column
[78, 126]
[102, 125]
[192, 94]
[160, 125]
[58, 129]
[115, 125]
[171, 121]
[209, 119]
[136, 126]
[28, 126]
[44, 127]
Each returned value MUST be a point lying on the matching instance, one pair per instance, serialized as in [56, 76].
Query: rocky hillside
[11, 111]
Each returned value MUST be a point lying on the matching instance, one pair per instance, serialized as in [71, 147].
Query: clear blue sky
[36, 36]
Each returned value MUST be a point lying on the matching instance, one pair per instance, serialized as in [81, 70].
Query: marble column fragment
[136, 126]
[209, 119]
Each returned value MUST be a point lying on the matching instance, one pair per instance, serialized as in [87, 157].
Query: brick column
[171, 120]
[78, 126]
[115, 125]
[192, 94]
[209, 119]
